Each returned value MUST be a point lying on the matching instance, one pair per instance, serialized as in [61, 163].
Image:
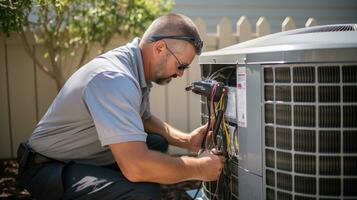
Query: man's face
[161, 78]
[172, 63]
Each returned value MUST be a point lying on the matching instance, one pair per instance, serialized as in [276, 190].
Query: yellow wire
[228, 139]
[219, 106]
[225, 129]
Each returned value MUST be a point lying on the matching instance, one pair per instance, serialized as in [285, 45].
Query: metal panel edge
[281, 57]
[310, 56]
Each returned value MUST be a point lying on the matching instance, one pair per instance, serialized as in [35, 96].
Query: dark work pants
[56, 180]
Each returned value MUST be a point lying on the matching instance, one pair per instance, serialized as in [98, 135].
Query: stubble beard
[160, 79]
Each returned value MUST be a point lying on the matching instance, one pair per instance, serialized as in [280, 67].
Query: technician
[97, 141]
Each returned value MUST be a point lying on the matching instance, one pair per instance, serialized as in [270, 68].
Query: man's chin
[163, 81]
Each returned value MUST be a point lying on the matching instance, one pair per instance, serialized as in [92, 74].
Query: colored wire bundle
[217, 135]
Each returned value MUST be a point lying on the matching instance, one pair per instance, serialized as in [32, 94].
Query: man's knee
[44, 181]
[157, 142]
[163, 145]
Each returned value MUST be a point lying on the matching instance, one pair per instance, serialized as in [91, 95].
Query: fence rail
[26, 92]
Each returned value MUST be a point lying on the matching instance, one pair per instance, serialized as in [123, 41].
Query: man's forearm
[161, 168]
[172, 135]
[139, 164]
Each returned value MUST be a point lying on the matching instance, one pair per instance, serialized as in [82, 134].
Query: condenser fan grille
[329, 28]
[310, 130]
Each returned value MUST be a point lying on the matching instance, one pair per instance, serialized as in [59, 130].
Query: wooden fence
[26, 92]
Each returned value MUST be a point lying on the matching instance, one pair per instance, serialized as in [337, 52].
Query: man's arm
[139, 164]
[175, 137]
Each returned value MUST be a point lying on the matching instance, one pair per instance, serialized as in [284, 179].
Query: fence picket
[288, 24]
[244, 30]
[201, 26]
[310, 22]
[225, 33]
[262, 27]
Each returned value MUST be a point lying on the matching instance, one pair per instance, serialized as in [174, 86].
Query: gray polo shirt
[102, 103]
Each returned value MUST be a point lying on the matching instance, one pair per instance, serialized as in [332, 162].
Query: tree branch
[84, 55]
[28, 50]
[105, 44]
[50, 47]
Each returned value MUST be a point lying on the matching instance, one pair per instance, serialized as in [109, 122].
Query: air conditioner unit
[293, 113]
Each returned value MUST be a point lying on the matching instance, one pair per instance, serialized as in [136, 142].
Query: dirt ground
[9, 190]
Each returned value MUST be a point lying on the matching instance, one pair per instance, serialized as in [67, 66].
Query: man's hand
[211, 165]
[135, 160]
[196, 137]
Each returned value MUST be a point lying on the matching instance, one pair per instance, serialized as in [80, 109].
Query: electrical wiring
[204, 144]
[228, 139]
[219, 114]
[223, 186]
[213, 76]
[224, 126]
[218, 135]
[198, 190]
[220, 129]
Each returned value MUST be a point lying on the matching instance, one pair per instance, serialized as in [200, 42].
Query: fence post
[288, 24]
[262, 27]
[244, 30]
[5, 136]
[225, 33]
[311, 22]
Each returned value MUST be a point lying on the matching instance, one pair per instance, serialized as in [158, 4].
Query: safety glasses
[197, 43]
[181, 65]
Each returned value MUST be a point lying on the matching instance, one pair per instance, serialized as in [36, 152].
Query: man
[96, 141]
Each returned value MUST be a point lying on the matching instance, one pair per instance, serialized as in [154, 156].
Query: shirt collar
[136, 55]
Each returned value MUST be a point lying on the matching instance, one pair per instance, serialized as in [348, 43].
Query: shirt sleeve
[113, 100]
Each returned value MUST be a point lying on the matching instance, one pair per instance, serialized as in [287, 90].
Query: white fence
[26, 92]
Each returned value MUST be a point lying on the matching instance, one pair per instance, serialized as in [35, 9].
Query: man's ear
[159, 47]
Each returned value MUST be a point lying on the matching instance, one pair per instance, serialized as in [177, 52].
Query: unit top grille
[329, 28]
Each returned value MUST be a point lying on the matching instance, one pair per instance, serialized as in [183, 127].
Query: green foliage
[12, 15]
[76, 22]
[64, 26]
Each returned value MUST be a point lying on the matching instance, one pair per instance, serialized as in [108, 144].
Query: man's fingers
[203, 128]
[216, 152]
[200, 151]
[222, 158]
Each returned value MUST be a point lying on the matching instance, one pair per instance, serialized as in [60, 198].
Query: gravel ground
[9, 190]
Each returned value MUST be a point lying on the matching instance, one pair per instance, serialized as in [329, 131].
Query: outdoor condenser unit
[292, 110]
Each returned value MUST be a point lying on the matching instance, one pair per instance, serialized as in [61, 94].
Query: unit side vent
[310, 131]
